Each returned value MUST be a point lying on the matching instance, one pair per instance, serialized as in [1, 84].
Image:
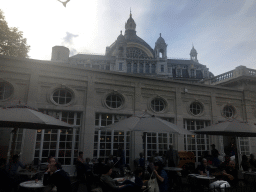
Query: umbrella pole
[238, 153]
[14, 136]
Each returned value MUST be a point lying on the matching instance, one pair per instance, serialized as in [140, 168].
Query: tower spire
[130, 12]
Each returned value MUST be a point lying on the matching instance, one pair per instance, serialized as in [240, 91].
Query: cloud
[68, 39]
[68, 42]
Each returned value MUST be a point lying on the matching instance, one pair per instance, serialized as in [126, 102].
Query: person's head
[51, 160]
[244, 158]
[56, 166]
[81, 154]
[231, 165]
[158, 166]
[106, 170]
[15, 158]
[204, 162]
[138, 171]
[213, 146]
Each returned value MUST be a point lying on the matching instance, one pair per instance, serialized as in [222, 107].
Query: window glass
[158, 105]
[62, 96]
[5, 90]
[196, 108]
[114, 101]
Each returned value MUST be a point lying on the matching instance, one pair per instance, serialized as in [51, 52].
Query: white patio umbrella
[148, 123]
[21, 116]
[230, 127]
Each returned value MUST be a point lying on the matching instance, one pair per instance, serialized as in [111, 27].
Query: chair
[74, 186]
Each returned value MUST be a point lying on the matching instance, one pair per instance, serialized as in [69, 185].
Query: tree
[12, 42]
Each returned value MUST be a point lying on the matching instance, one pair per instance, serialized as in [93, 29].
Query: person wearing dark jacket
[58, 177]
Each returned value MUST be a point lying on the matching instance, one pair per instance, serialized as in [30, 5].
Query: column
[88, 126]
[179, 120]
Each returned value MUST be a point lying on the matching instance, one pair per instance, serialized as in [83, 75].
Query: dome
[160, 40]
[121, 38]
[193, 51]
[130, 24]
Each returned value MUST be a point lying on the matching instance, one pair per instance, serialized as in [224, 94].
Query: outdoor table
[32, 185]
[131, 179]
[172, 169]
[27, 173]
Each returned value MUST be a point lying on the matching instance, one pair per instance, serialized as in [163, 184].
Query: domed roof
[160, 40]
[130, 24]
[193, 51]
[121, 38]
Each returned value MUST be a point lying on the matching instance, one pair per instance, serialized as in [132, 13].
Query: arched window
[129, 68]
[147, 68]
[153, 68]
[135, 68]
[141, 67]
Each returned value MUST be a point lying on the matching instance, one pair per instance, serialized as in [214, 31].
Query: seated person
[97, 168]
[55, 175]
[161, 176]
[139, 185]
[13, 166]
[245, 163]
[110, 185]
[203, 168]
[230, 174]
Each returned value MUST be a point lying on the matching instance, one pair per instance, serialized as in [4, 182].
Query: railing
[100, 54]
[222, 77]
[178, 58]
[252, 72]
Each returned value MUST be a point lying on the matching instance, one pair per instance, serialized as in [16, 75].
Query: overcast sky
[223, 31]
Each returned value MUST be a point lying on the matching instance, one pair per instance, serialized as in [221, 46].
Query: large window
[60, 143]
[244, 145]
[5, 90]
[157, 143]
[18, 142]
[106, 141]
[196, 143]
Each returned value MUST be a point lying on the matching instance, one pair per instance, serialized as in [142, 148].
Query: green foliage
[12, 42]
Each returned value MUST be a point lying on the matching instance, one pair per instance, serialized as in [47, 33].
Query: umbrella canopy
[29, 118]
[231, 127]
[148, 123]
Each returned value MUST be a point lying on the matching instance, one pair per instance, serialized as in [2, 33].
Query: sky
[222, 31]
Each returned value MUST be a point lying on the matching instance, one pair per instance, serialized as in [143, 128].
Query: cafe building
[91, 92]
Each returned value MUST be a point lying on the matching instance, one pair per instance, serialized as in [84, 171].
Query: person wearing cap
[215, 154]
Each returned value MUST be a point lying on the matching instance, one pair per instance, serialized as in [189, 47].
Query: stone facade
[74, 90]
